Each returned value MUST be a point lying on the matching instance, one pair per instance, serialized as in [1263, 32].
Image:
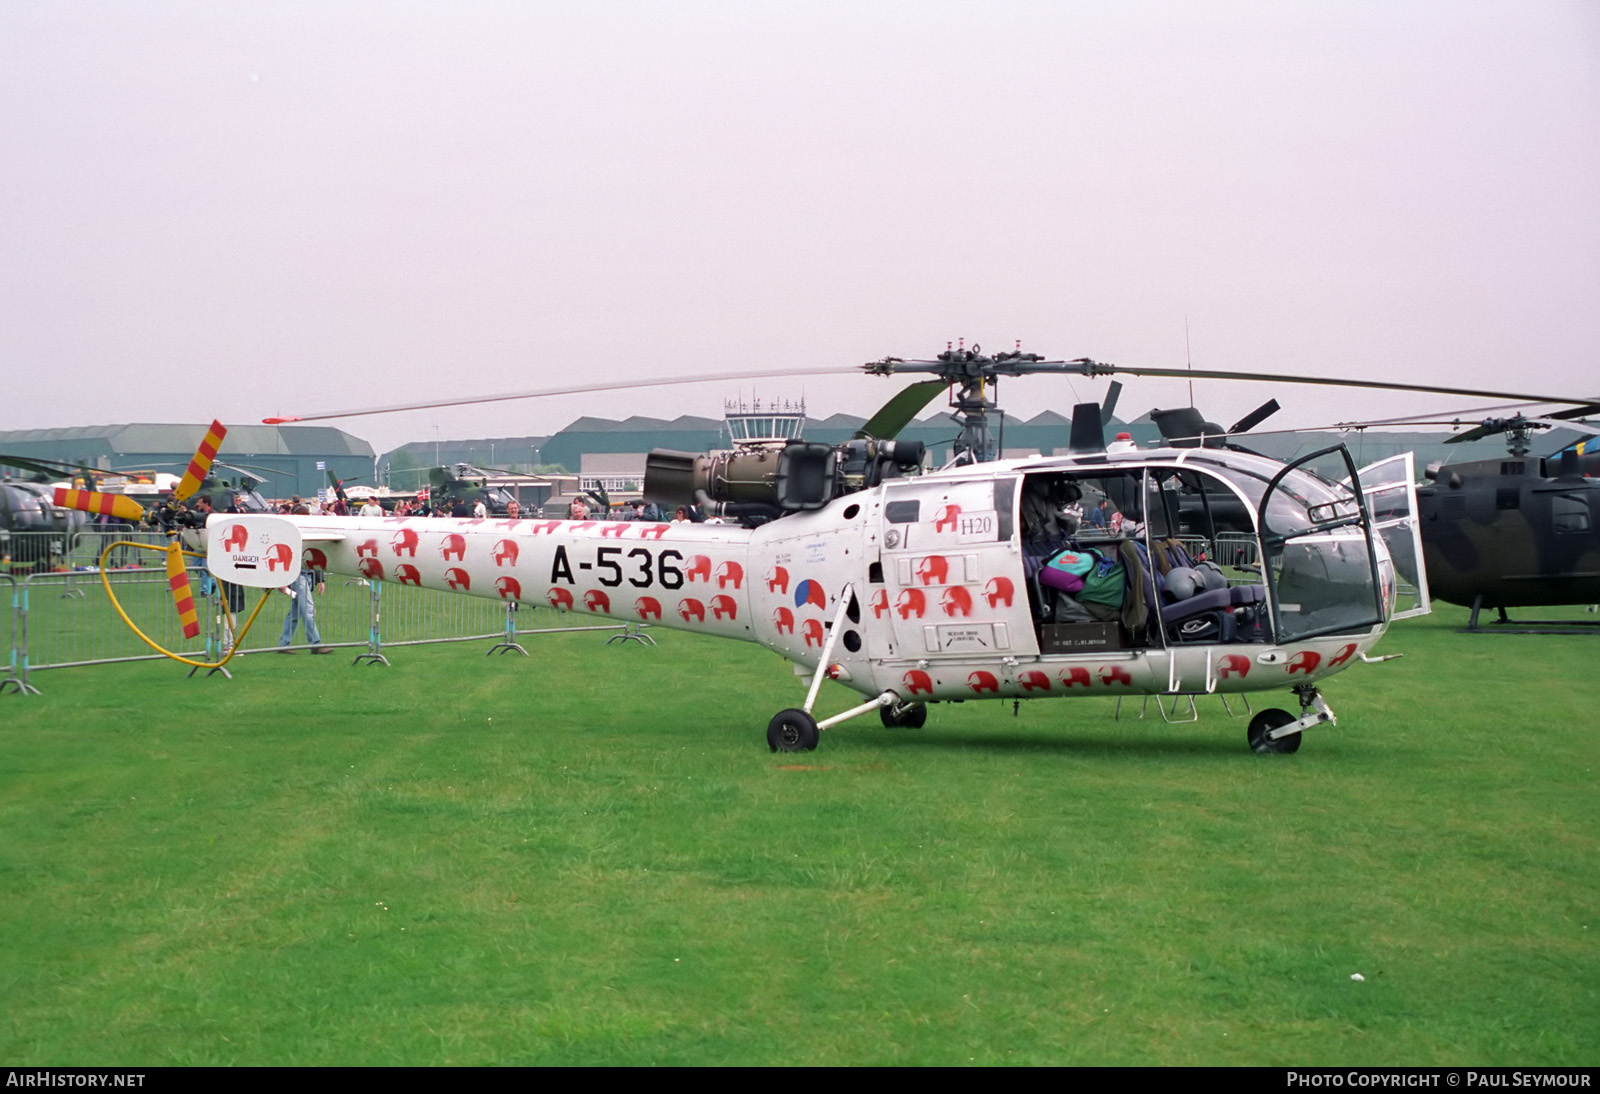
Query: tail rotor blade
[201, 464]
[182, 595]
[118, 506]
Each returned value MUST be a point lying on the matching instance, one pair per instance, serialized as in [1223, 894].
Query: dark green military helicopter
[454, 483]
[1523, 531]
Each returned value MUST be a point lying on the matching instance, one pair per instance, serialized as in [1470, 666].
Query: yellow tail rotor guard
[168, 552]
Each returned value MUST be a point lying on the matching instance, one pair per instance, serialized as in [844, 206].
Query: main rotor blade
[573, 389]
[1086, 367]
[1504, 425]
[897, 413]
[50, 469]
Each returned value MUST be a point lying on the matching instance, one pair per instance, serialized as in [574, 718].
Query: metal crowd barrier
[1239, 555]
[15, 674]
[65, 619]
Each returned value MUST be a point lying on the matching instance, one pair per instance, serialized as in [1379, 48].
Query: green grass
[590, 856]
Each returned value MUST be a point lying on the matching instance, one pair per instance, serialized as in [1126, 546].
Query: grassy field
[591, 857]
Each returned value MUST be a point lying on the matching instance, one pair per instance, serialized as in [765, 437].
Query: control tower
[764, 421]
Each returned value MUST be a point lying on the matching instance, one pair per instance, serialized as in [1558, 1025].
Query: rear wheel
[904, 715]
[1264, 723]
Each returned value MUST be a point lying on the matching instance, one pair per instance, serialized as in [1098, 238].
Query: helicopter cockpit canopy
[1304, 537]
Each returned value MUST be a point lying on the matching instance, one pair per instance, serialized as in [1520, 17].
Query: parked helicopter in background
[1522, 531]
[464, 483]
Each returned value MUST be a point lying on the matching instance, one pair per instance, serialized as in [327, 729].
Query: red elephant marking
[371, 569]
[934, 569]
[998, 589]
[597, 601]
[505, 552]
[957, 601]
[315, 559]
[911, 602]
[918, 681]
[458, 579]
[699, 567]
[647, 606]
[1343, 655]
[1074, 676]
[777, 580]
[692, 609]
[1305, 661]
[509, 588]
[1115, 674]
[453, 544]
[724, 607]
[945, 519]
[560, 598]
[1233, 665]
[407, 575]
[783, 620]
[657, 530]
[613, 529]
[812, 629]
[279, 554]
[369, 548]
[730, 571]
[1034, 681]
[405, 540]
[981, 682]
[238, 536]
[880, 604]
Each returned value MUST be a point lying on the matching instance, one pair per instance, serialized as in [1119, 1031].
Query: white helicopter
[979, 581]
[916, 588]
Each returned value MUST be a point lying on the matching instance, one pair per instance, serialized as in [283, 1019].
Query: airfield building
[291, 459]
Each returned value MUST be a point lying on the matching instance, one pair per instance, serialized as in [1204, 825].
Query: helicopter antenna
[1188, 356]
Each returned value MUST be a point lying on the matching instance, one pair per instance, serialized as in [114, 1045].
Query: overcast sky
[237, 209]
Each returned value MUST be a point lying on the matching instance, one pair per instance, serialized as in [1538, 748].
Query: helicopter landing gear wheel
[792, 731]
[904, 715]
[1264, 723]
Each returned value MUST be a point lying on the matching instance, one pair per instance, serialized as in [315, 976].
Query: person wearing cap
[301, 606]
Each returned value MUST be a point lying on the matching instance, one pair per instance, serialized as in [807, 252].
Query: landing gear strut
[1278, 731]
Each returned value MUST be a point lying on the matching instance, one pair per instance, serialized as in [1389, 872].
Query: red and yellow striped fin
[201, 464]
[107, 505]
[182, 595]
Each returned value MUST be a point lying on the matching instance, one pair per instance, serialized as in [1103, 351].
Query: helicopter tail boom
[689, 576]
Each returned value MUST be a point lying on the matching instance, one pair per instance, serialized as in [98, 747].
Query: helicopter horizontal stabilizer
[259, 551]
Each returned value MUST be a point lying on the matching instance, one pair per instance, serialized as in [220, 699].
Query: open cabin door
[1317, 550]
[1390, 487]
